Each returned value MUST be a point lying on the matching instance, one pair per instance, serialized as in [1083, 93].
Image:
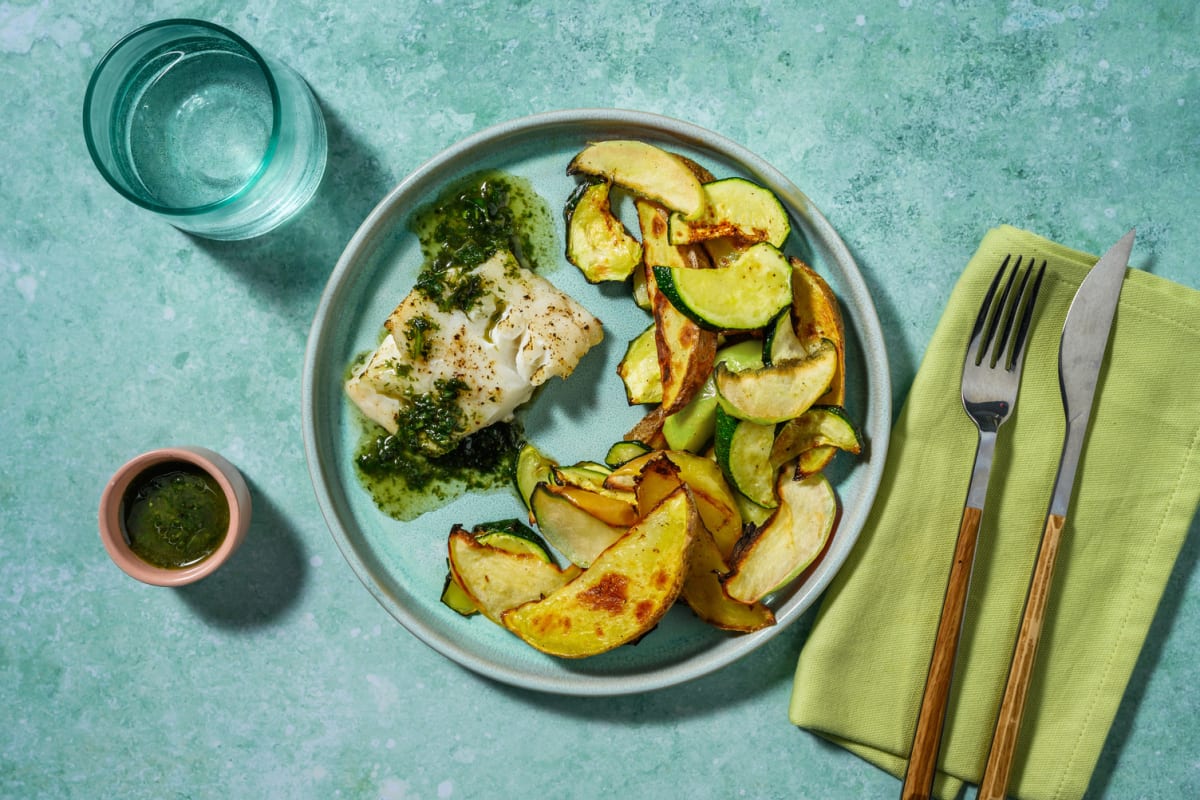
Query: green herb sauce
[463, 227]
[467, 224]
[175, 515]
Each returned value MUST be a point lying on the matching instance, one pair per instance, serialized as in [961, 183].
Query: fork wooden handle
[922, 763]
[994, 784]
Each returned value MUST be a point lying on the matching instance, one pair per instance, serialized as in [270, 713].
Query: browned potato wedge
[496, 579]
[818, 316]
[685, 351]
[702, 589]
[649, 429]
[656, 482]
[657, 250]
[715, 501]
[706, 596]
[607, 508]
[624, 593]
[685, 354]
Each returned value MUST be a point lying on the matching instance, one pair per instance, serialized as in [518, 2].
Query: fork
[991, 376]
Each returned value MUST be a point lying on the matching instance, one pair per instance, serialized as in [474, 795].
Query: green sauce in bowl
[175, 515]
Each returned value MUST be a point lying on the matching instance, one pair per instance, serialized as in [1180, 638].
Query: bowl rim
[227, 476]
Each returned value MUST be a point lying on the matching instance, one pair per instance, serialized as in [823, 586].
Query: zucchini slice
[779, 392]
[639, 369]
[511, 535]
[623, 595]
[746, 295]
[737, 209]
[569, 529]
[752, 514]
[641, 294]
[812, 461]
[820, 426]
[646, 170]
[781, 342]
[623, 452]
[722, 252]
[776, 553]
[496, 580]
[597, 242]
[743, 452]
[456, 598]
[532, 468]
[582, 476]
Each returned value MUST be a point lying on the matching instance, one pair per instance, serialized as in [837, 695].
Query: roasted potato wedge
[622, 595]
[649, 428]
[702, 589]
[496, 579]
[685, 354]
[817, 315]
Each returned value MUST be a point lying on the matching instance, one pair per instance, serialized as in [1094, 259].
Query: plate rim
[867, 327]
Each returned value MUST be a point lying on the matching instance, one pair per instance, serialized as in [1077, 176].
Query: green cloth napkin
[861, 672]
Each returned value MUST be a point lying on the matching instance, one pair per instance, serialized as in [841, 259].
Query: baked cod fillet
[479, 365]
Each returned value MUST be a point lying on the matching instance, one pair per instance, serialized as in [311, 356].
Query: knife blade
[1081, 352]
[1084, 342]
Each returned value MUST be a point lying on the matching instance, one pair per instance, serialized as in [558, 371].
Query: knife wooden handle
[922, 763]
[994, 784]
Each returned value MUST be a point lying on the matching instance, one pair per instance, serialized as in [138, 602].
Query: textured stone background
[915, 126]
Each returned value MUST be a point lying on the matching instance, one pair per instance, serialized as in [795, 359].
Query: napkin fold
[862, 670]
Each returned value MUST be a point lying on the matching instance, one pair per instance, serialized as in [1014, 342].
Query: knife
[1081, 351]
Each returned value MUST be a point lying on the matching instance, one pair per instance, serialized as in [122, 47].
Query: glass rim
[272, 142]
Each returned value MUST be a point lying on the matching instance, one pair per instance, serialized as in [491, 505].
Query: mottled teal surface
[915, 126]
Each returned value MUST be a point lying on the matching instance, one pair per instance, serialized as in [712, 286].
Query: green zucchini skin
[743, 453]
[456, 599]
[624, 452]
[746, 295]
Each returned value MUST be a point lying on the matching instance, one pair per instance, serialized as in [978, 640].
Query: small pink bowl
[112, 532]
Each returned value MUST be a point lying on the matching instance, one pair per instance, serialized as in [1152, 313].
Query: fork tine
[997, 337]
[1018, 354]
[974, 349]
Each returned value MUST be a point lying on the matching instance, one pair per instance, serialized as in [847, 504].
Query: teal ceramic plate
[404, 564]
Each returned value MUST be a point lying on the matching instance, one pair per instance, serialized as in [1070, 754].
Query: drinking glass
[188, 120]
